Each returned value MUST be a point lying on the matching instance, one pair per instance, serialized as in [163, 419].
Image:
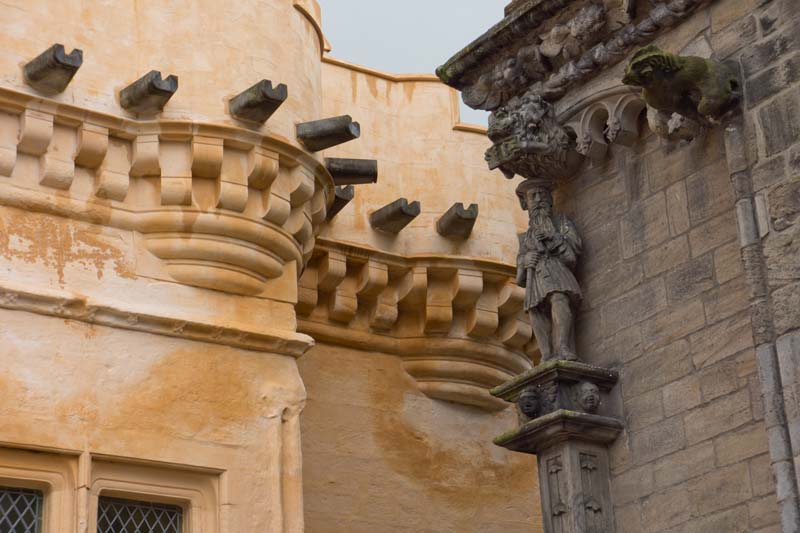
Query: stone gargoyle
[699, 89]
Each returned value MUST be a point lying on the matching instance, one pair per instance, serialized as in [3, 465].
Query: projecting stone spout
[394, 217]
[51, 71]
[457, 222]
[148, 94]
[342, 197]
[352, 171]
[321, 134]
[259, 102]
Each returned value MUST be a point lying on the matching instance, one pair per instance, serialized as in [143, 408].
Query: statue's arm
[522, 275]
[569, 243]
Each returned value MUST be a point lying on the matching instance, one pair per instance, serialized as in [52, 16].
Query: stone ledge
[561, 370]
[70, 306]
[560, 426]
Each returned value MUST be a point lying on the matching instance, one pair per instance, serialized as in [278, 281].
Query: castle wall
[379, 455]
[668, 300]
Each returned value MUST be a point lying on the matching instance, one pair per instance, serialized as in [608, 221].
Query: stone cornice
[457, 323]
[225, 208]
[71, 306]
[492, 60]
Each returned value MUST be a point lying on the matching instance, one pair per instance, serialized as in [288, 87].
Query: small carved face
[589, 396]
[528, 403]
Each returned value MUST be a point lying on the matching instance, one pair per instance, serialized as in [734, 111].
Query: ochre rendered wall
[380, 456]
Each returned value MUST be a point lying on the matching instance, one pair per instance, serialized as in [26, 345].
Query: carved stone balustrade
[457, 323]
[222, 207]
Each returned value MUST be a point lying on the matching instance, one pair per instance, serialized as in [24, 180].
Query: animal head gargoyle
[695, 87]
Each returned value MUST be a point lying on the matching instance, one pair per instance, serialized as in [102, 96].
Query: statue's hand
[531, 259]
[541, 235]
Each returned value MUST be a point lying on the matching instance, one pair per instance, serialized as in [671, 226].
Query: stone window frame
[197, 493]
[55, 475]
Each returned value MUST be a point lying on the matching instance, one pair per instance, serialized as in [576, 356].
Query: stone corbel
[9, 138]
[113, 179]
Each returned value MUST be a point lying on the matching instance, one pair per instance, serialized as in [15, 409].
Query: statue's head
[648, 65]
[536, 196]
[588, 396]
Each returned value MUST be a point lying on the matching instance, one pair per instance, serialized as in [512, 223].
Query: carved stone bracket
[231, 209]
[457, 324]
[565, 420]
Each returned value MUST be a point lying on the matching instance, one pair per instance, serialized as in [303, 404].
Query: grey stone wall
[668, 302]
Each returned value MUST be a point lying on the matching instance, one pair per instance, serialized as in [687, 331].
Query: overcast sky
[409, 36]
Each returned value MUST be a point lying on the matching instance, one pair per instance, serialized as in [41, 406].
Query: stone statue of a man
[548, 254]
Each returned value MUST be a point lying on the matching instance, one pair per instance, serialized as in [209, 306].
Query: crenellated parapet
[223, 207]
[457, 323]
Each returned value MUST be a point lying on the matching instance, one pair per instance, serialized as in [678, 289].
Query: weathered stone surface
[731, 521]
[326, 133]
[681, 395]
[678, 208]
[769, 173]
[779, 121]
[759, 56]
[714, 233]
[457, 222]
[658, 440]
[784, 204]
[395, 216]
[764, 512]
[719, 489]
[666, 509]
[762, 476]
[690, 279]
[673, 324]
[629, 518]
[772, 81]
[720, 379]
[52, 70]
[639, 304]
[781, 252]
[643, 410]
[786, 302]
[719, 416]
[666, 256]
[683, 465]
[644, 226]
[259, 102]
[633, 484]
[746, 443]
[728, 262]
[611, 283]
[733, 37]
[709, 192]
[721, 340]
[726, 300]
[148, 94]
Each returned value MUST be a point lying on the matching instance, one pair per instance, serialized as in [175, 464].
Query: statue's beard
[540, 216]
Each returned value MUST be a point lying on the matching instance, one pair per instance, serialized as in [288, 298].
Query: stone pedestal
[564, 421]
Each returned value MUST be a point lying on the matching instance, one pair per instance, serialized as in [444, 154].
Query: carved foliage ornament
[529, 141]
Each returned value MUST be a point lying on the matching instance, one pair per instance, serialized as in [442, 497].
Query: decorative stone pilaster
[564, 420]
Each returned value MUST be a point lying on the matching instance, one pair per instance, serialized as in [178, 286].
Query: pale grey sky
[409, 36]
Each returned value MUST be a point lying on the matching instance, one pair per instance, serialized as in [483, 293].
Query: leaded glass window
[21, 510]
[127, 516]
